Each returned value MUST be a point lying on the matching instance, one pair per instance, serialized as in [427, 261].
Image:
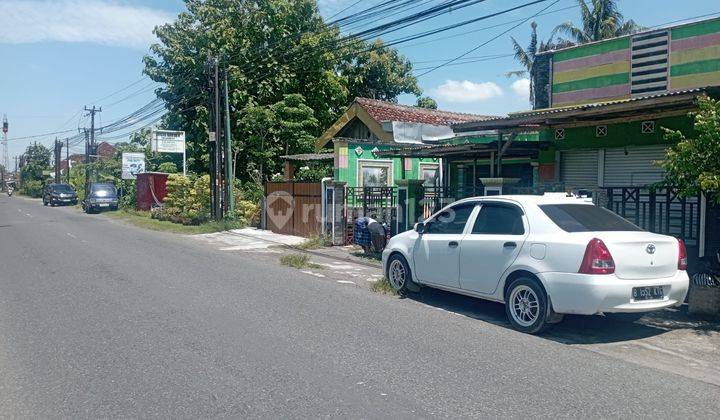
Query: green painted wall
[619, 135]
[710, 26]
[350, 174]
[593, 49]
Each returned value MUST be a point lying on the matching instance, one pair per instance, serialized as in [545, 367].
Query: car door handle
[509, 245]
[453, 244]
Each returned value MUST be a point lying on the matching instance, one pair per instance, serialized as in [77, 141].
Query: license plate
[648, 293]
[104, 205]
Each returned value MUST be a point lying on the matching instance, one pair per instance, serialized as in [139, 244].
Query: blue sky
[60, 55]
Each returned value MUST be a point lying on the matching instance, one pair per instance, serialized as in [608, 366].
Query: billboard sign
[166, 141]
[132, 164]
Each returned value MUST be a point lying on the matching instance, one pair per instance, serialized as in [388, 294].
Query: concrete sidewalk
[258, 240]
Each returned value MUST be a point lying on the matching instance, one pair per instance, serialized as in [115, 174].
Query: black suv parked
[55, 194]
[101, 196]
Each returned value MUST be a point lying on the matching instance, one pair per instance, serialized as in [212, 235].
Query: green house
[609, 103]
[369, 129]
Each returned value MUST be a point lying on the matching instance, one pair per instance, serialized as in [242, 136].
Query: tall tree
[536, 68]
[380, 73]
[426, 102]
[270, 48]
[37, 160]
[600, 20]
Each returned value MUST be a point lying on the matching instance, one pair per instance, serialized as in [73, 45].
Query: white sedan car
[543, 256]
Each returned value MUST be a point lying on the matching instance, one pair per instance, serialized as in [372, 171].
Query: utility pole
[6, 160]
[216, 148]
[91, 149]
[87, 162]
[67, 158]
[229, 168]
[58, 158]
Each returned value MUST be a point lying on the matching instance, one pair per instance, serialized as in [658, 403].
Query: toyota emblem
[650, 249]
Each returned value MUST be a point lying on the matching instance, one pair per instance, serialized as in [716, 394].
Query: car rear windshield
[586, 218]
[63, 188]
[104, 189]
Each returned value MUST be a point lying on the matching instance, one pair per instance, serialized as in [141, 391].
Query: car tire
[626, 317]
[526, 306]
[399, 275]
[52, 204]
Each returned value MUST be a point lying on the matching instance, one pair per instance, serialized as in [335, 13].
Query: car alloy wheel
[397, 274]
[525, 305]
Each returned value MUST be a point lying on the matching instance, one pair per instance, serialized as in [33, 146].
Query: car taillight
[682, 255]
[597, 259]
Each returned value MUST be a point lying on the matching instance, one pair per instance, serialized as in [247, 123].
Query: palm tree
[603, 21]
[535, 68]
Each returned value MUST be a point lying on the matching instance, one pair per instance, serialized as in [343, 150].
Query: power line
[470, 51]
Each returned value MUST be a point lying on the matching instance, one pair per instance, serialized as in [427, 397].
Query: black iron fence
[380, 203]
[660, 210]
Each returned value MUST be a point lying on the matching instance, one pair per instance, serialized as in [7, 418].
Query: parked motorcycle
[709, 273]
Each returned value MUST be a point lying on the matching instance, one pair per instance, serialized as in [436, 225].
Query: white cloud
[522, 87]
[91, 21]
[467, 91]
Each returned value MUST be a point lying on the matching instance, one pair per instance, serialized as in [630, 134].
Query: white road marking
[346, 282]
[28, 214]
[312, 273]
[71, 235]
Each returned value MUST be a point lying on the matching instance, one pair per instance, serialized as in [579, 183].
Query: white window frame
[428, 165]
[361, 163]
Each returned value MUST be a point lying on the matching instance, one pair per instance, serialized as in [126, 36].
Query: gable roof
[373, 112]
[388, 111]
[106, 150]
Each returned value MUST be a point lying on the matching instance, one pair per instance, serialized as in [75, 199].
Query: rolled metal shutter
[634, 169]
[579, 169]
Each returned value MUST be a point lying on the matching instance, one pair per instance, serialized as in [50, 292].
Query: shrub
[32, 188]
[168, 167]
[187, 200]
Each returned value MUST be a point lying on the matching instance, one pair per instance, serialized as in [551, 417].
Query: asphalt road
[99, 319]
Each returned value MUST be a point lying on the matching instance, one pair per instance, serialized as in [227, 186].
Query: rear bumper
[572, 293]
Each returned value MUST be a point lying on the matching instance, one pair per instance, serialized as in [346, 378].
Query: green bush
[32, 188]
[187, 200]
[168, 167]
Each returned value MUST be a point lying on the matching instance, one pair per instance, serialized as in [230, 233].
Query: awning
[651, 106]
[468, 150]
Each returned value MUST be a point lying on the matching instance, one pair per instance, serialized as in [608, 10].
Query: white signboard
[166, 141]
[132, 164]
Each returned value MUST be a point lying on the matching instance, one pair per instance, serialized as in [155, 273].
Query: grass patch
[383, 286]
[142, 219]
[298, 261]
[315, 242]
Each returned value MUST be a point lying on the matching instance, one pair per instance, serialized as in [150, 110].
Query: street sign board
[132, 164]
[167, 141]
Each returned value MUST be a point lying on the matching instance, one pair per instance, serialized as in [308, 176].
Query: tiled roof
[309, 156]
[106, 149]
[387, 111]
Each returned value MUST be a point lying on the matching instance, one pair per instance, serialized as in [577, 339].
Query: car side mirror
[420, 228]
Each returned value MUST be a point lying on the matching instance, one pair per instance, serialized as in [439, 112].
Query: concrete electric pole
[6, 159]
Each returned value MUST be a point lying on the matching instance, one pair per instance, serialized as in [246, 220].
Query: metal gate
[294, 208]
